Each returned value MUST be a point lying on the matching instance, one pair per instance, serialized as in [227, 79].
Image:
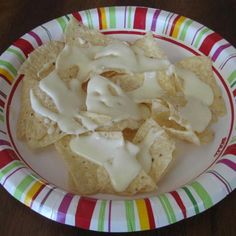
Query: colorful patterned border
[116, 215]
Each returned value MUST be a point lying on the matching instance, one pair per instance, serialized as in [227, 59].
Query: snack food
[85, 93]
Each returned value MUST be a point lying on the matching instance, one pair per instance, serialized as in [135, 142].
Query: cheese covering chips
[114, 109]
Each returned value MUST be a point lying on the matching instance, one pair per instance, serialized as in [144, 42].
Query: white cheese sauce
[67, 102]
[105, 97]
[113, 56]
[150, 88]
[197, 113]
[115, 154]
[66, 123]
[199, 96]
[194, 87]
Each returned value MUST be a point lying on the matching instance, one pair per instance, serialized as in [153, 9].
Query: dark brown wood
[20, 16]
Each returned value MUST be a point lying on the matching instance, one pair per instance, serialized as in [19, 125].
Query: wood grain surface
[19, 16]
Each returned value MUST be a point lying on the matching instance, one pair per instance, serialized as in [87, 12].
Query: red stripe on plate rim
[140, 18]
[180, 203]
[150, 214]
[84, 212]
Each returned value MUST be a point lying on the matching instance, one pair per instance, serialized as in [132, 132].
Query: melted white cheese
[66, 123]
[107, 98]
[69, 100]
[66, 100]
[149, 90]
[68, 103]
[96, 147]
[194, 87]
[113, 56]
[124, 168]
[72, 55]
[116, 155]
[197, 113]
[170, 70]
[51, 130]
[150, 64]
[199, 96]
[87, 122]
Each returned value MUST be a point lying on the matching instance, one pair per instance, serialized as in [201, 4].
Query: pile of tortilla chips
[159, 114]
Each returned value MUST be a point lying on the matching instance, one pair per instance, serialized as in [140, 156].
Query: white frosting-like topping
[113, 56]
[194, 87]
[50, 130]
[72, 55]
[66, 123]
[67, 102]
[149, 90]
[197, 113]
[170, 70]
[199, 96]
[105, 97]
[115, 154]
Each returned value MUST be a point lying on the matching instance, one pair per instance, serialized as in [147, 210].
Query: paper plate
[201, 176]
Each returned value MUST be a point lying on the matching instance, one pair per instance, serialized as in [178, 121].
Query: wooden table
[20, 16]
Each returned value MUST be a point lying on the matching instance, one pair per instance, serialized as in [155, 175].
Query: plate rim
[97, 215]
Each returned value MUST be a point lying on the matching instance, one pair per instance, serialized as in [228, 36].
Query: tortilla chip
[206, 136]
[32, 128]
[166, 82]
[167, 116]
[121, 125]
[41, 56]
[129, 134]
[185, 135]
[89, 178]
[158, 107]
[141, 184]
[178, 101]
[149, 47]
[100, 120]
[161, 150]
[26, 110]
[46, 70]
[161, 114]
[68, 74]
[179, 84]
[82, 171]
[71, 32]
[127, 123]
[127, 82]
[78, 34]
[202, 67]
[109, 74]
[38, 131]
[183, 130]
